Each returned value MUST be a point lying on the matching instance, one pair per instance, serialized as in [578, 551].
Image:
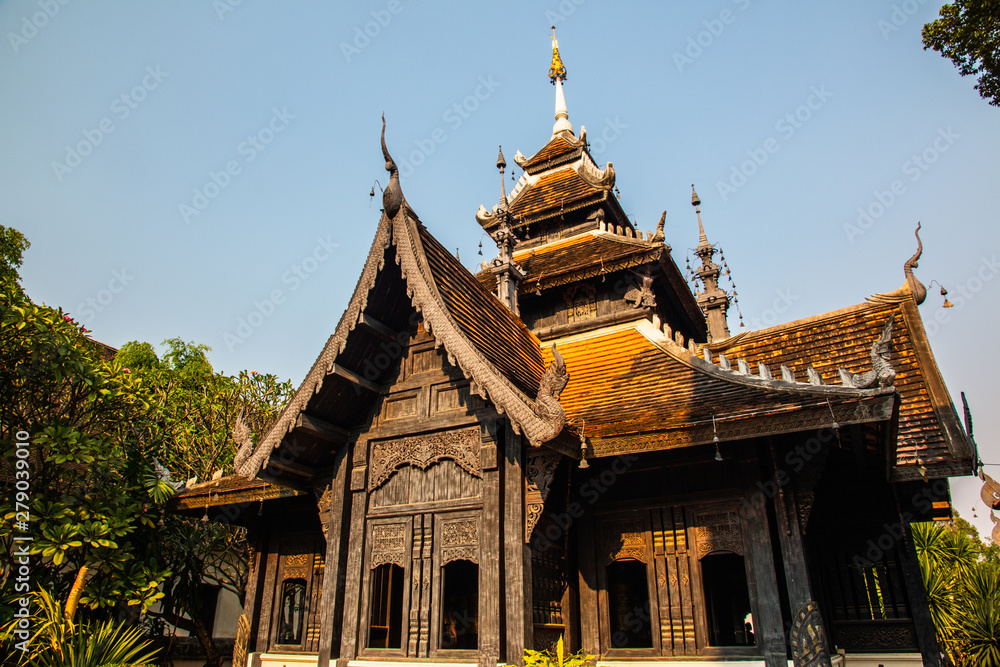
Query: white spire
[557, 74]
[562, 114]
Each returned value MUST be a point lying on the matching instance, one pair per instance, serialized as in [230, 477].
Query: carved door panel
[456, 540]
[388, 546]
[627, 586]
[298, 568]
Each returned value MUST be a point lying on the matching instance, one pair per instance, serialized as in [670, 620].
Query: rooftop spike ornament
[713, 300]
[557, 74]
[392, 196]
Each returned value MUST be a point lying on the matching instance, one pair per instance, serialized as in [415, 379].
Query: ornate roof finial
[696, 202]
[916, 287]
[556, 70]
[501, 165]
[557, 74]
[713, 300]
[392, 196]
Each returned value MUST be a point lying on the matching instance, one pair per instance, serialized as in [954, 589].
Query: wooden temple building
[572, 443]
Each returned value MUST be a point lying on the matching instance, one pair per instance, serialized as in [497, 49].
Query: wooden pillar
[930, 651]
[518, 598]
[590, 638]
[255, 585]
[767, 616]
[352, 589]
[330, 614]
[490, 593]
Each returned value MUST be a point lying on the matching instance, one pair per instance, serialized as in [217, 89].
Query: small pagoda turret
[712, 299]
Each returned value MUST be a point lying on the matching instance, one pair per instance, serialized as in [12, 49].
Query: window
[385, 627]
[293, 611]
[628, 605]
[460, 606]
[727, 600]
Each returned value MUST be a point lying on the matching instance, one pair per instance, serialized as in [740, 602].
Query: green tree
[961, 577]
[12, 247]
[968, 34]
[195, 412]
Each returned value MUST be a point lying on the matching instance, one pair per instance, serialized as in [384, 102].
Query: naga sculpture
[247, 461]
[658, 236]
[916, 287]
[392, 196]
[882, 373]
[547, 401]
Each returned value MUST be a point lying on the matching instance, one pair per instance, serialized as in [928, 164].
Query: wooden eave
[488, 343]
[930, 435]
[232, 490]
[558, 150]
[556, 193]
[635, 390]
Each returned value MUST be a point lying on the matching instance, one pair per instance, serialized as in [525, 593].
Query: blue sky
[181, 166]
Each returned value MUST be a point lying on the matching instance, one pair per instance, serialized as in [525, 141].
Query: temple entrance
[421, 585]
[674, 581]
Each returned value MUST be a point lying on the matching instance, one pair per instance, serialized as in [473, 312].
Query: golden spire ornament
[556, 70]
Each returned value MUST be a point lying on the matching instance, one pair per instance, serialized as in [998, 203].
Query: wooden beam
[490, 592]
[377, 328]
[322, 429]
[768, 625]
[517, 593]
[333, 579]
[351, 376]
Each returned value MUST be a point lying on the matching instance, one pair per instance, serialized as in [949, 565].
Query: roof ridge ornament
[392, 196]
[882, 373]
[557, 74]
[916, 287]
[912, 288]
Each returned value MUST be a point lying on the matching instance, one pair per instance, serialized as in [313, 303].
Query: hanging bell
[947, 304]
[480, 248]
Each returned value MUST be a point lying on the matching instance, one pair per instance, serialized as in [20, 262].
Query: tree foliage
[961, 577]
[12, 247]
[103, 435]
[968, 34]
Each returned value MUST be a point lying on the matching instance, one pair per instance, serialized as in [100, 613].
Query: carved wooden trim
[541, 419]
[324, 497]
[422, 451]
[625, 539]
[541, 469]
[388, 544]
[582, 302]
[250, 458]
[718, 531]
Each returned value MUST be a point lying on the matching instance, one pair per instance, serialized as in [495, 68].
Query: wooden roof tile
[498, 334]
[558, 191]
[627, 394]
[928, 423]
